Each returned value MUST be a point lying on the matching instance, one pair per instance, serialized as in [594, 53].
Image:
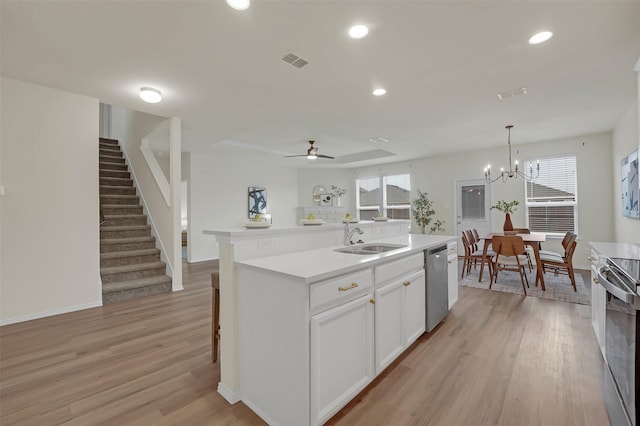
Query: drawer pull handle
[597, 281]
[372, 301]
[353, 285]
[406, 283]
[450, 262]
[592, 258]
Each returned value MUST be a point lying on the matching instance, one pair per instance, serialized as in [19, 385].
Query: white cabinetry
[341, 356]
[598, 298]
[452, 259]
[307, 348]
[399, 317]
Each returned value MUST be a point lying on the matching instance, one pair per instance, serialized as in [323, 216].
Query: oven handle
[621, 293]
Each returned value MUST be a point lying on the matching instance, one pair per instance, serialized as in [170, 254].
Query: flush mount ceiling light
[540, 37]
[239, 4]
[504, 175]
[358, 31]
[151, 95]
[379, 92]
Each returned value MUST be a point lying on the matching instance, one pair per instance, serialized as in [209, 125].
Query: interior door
[473, 204]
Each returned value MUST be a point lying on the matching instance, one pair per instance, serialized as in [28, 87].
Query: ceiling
[442, 64]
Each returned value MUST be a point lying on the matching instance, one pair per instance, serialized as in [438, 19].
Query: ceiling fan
[312, 153]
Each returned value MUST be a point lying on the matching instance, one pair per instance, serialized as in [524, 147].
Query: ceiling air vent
[294, 60]
[512, 93]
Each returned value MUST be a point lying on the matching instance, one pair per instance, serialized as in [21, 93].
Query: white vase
[337, 201]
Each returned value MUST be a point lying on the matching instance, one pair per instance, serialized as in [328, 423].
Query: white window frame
[382, 206]
[574, 203]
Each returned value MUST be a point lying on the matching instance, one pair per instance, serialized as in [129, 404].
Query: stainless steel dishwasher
[437, 292]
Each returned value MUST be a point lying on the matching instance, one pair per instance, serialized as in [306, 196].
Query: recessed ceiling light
[379, 92]
[358, 31]
[239, 4]
[151, 95]
[540, 37]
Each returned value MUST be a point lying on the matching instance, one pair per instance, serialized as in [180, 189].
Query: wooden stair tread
[131, 268]
[122, 216]
[137, 283]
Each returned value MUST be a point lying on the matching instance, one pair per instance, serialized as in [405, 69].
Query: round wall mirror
[318, 192]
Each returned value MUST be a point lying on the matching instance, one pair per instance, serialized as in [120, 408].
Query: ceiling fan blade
[312, 151]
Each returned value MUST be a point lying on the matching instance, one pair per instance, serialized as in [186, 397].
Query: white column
[175, 179]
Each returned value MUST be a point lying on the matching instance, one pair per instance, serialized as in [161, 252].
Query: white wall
[218, 196]
[49, 214]
[129, 127]
[625, 141]
[437, 176]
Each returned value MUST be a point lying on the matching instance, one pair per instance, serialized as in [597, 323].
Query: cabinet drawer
[399, 267]
[336, 291]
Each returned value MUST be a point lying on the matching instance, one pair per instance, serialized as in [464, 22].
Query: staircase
[130, 264]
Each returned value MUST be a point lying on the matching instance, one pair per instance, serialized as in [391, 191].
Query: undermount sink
[369, 249]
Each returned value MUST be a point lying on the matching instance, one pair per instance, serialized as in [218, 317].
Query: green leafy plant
[506, 207]
[422, 213]
[336, 191]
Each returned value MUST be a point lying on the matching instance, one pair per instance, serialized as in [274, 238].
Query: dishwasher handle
[436, 250]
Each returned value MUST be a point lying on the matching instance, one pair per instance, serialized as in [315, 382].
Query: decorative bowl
[312, 221]
[257, 225]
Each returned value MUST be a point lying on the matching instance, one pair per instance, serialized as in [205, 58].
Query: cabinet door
[452, 278]
[414, 307]
[341, 356]
[389, 332]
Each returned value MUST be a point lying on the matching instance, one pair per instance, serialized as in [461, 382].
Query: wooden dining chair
[530, 253]
[562, 264]
[472, 256]
[565, 242]
[510, 256]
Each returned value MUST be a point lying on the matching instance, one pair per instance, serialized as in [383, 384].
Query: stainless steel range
[621, 279]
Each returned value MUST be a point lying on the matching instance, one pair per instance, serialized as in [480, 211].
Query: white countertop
[319, 264]
[621, 250]
[242, 232]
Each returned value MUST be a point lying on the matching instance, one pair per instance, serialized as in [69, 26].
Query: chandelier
[512, 173]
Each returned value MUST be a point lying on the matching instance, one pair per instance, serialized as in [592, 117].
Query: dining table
[533, 240]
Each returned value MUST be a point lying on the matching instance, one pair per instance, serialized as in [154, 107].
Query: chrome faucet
[349, 233]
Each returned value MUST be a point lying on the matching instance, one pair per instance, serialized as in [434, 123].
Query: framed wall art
[257, 201]
[630, 186]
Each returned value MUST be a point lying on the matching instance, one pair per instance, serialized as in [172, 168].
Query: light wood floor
[498, 359]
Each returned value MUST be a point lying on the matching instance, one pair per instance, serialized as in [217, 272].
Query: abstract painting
[257, 201]
[630, 186]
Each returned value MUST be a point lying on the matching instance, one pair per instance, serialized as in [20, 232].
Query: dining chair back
[510, 256]
[562, 264]
[471, 254]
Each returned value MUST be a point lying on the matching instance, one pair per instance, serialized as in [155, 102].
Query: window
[394, 201]
[551, 198]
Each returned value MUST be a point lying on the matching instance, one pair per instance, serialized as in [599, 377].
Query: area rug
[557, 287]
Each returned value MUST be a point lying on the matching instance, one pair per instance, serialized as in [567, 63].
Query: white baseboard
[229, 395]
[50, 313]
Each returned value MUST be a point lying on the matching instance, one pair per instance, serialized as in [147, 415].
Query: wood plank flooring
[498, 359]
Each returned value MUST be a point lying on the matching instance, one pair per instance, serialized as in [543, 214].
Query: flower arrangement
[506, 207]
[336, 191]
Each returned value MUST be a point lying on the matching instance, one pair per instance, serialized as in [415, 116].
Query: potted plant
[422, 213]
[507, 208]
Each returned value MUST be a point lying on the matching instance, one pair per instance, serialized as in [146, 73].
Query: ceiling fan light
[151, 95]
[239, 4]
[379, 92]
[312, 156]
[540, 37]
[358, 31]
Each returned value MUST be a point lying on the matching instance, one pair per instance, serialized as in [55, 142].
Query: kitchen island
[317, 326]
